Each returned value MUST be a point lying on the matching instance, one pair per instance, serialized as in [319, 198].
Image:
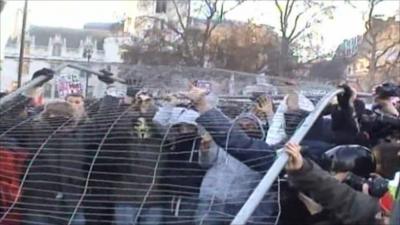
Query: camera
[378, 186]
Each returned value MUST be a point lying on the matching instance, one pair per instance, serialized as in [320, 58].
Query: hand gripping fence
[265, 184]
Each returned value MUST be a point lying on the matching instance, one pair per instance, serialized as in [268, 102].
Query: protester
[15, 139]
[226, 186]
[126, 171]
[182, 174]
[54, 180]
[138, 194]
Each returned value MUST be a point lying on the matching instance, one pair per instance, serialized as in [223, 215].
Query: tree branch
[283, 27]
[386, 50]
[285, 15]
[294, 37]
[291, 8]
[238, 3]
[188, 18]
[169, 25]
[180, 20]
[290, 37]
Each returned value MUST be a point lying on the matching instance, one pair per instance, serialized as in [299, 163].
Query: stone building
[96, 46]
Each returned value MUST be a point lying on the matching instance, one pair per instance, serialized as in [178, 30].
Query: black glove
[47, 73]
[106, 77]
[344, 98]
[134, 86]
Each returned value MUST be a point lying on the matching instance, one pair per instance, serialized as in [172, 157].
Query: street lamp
[22, 44]
[87, 53]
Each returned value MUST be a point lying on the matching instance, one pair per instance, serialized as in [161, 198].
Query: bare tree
[195, 36]
[378, 45]
[255, 48]
[294, 23]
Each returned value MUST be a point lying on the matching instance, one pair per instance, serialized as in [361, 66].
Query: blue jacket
[227, 185]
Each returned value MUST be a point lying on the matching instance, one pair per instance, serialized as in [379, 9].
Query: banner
[69, 84]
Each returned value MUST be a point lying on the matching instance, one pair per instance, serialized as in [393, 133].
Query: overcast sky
[348, 21]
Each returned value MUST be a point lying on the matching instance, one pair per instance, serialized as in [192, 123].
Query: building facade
[96, 47]
[358, 53]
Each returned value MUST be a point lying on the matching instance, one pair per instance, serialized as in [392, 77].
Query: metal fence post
[265, 184]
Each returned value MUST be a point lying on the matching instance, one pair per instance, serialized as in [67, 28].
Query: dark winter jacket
[345, 205]
[136, 150]
[55, 177]
[98, 202]
[182, 174]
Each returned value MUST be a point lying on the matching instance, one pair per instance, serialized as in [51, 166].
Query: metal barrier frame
[33, 83]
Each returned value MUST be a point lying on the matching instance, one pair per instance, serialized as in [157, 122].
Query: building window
[90, 92]
[47, 91]
[162, 24]
[82, 74]
[161, 6]
[56, 50]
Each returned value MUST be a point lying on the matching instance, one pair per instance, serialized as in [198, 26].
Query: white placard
[69, 84]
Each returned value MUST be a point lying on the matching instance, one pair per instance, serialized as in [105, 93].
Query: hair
[351, 158]
[59, 108]
[387, 159]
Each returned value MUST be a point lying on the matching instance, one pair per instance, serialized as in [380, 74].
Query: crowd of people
[179, 159]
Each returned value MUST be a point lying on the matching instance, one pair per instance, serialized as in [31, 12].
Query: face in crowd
[78, 104]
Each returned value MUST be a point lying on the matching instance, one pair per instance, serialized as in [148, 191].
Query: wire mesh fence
[146, 162]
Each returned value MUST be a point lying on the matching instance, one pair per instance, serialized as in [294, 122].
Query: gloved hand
[106, 77]
[133, 86]
[345, 99]
[47, 73]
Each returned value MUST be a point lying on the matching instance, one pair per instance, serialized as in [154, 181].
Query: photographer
[383, 121]
[346, 205]
[353, 123]
[356, 166]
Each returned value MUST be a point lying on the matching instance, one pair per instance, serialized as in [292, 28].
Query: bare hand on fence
[197, 96]
[264, 108]
[295, 158]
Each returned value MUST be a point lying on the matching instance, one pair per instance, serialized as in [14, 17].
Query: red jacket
[11, 170]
